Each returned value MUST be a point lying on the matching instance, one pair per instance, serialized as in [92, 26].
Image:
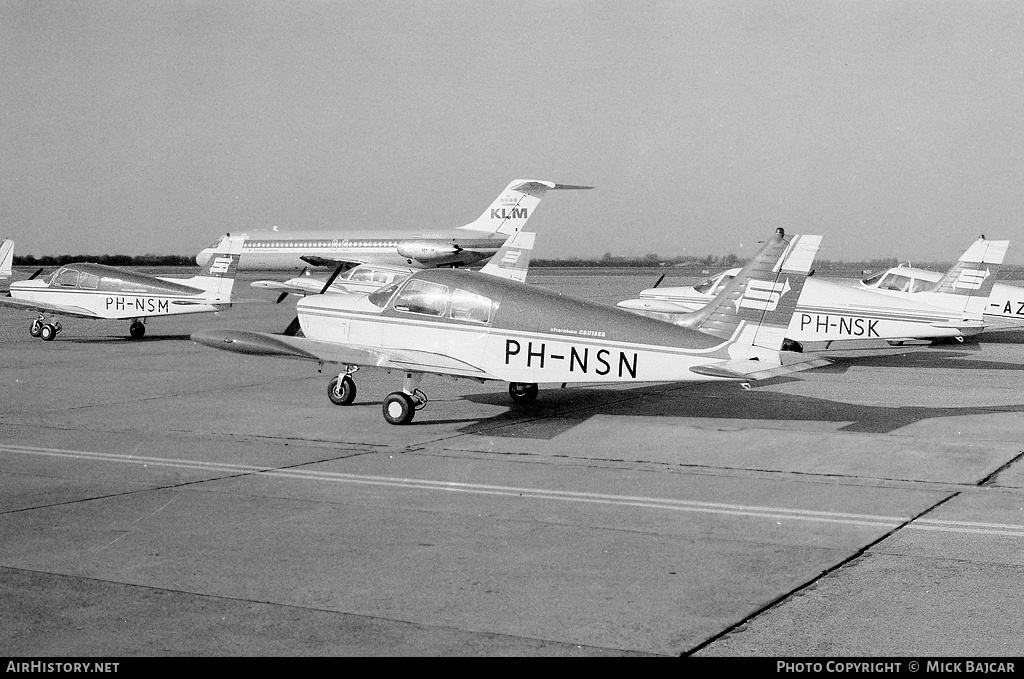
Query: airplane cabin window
[467, 306]
[89, 281]
[423, 297]
[67, 278]
[918, 285]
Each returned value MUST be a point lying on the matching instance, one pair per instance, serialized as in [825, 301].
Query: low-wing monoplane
[87, 290]
[1002, 307]
[462, 246]
[472, 325]
[831, 316]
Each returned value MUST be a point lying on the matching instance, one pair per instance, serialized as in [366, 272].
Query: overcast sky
[896, 129]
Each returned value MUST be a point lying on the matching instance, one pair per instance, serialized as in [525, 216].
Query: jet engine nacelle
[430, 252]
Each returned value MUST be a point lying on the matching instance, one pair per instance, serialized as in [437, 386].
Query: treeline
[109, 260]
[711, 262]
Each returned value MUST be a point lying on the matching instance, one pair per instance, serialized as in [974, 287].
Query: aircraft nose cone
[203, 257]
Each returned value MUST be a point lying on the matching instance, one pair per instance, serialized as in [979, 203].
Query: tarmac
[158, 498]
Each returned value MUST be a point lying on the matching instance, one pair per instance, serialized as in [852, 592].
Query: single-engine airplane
[834, 317]
[1002, 308]
[472, 325]
[99, 291]
[463, 246]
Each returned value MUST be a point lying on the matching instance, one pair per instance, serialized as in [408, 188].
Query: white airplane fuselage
[827, 312]
[284, 251]
[1005, 304]
[106, 292]
[560, 340]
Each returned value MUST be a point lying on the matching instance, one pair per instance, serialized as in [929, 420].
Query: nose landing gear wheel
[399, 408]
[36, 328]
[341, 392]
[47, 332]
[522, 392]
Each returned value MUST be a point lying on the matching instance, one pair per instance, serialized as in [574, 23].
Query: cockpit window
[423, 297]
[380, 297]
[896, 282]
[871, 280]
[66, 278]
[467, 306]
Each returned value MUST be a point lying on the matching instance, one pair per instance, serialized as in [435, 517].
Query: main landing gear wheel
[48, 332]
[523, 392]
[399, 408]
[137, 330]
[341, 392]
[36, 328]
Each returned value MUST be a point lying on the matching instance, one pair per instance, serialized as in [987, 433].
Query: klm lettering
[580, 360]
[144, 304]
[853, 327]
[514, 213]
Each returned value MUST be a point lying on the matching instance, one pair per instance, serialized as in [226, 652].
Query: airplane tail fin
[972, 277]
[6, 258]
[218, 275]
[510, 210]
[513, 259]
[756, 307]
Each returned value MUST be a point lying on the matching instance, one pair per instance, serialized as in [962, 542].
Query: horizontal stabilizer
[756, 370]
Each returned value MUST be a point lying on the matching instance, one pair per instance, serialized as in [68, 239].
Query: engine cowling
[429, 252]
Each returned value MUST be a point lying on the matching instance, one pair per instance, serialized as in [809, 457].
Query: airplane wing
[311, 286]
[333, 262]
[284, 346]
[66, 310]
[756, 370]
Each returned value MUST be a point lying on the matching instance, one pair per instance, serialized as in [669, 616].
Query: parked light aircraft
[831, 316]
[466, 324]
[1003, 307]
[6, 259]
[511, 261]
[98, 291]
[463, 246]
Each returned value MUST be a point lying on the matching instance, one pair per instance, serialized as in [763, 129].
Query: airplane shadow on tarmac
[557, 411]
[114, 339]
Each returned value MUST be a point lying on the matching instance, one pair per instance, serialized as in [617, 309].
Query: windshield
[871, 280]
[380, 297]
